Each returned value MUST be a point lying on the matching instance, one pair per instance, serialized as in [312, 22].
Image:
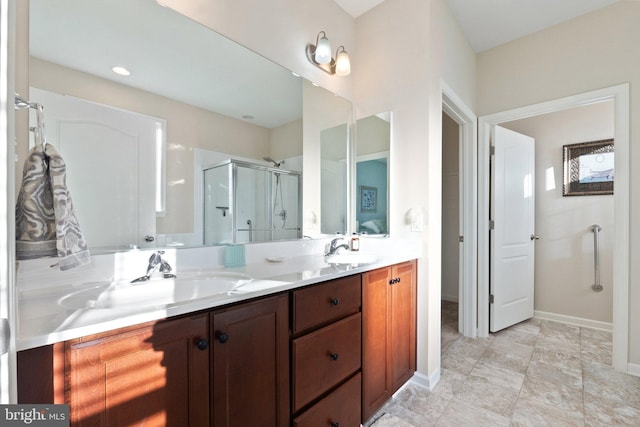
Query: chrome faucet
[333, 246]
[156, 263]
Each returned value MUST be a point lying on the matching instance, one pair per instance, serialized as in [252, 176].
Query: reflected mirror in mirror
[334, 145]
[327, 123]
[372, 174]
[204, 95]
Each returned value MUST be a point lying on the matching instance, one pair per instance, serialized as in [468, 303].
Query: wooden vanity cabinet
[388, 333]
[250, 365]
[153, 375]
[326, 353]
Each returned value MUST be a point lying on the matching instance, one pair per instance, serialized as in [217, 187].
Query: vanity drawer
[326, 302]
[324, 358]
[342, 407]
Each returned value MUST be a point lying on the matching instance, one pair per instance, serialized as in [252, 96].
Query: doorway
[564, 245]
[465, 122]
[619, 95]
[451, 214]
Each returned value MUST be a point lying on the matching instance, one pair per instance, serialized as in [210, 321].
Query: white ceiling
[490, 23]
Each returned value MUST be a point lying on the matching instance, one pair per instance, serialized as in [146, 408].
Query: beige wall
[564, 266]
[188, 127]
[592, 51]
[450, 208]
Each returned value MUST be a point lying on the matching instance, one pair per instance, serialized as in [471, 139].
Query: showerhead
[275, 164]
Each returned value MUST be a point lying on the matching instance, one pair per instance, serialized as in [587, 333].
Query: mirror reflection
[372, 174]
[209, 103]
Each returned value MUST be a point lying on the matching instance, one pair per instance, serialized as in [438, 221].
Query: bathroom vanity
[327, 351]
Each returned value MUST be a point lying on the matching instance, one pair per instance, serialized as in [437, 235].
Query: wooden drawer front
[340, 408]
[321, 304]
[324, 358]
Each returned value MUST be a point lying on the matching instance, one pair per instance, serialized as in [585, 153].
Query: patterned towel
[46, 223]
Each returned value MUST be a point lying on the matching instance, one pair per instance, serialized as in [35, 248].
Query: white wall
[592, 51]
[564, 259]
[280, 30]
[405, 49]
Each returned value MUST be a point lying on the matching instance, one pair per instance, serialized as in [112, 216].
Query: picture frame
[589, 168]
[368, 199]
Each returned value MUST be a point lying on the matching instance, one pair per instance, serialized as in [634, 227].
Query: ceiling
[490, 23]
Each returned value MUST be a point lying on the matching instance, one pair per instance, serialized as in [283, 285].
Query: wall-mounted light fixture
[320, 56]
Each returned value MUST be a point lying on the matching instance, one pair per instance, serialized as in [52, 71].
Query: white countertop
[44, 320]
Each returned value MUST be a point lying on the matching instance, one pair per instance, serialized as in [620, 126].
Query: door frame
[619, 94]
[8, 297]
[455, 108]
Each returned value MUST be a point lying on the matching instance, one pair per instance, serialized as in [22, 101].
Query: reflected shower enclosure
[246, 202]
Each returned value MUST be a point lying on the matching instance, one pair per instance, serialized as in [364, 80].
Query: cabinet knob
[334, 356]
[335, 301]
[394, 281]
[202, 343]
[335, 424]
[398, 280]
[222, 337]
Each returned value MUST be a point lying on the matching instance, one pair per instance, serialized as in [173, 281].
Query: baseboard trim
[426, 381]
[575, 321]
[633, 369]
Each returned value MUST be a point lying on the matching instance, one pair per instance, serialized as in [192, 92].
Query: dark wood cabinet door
[155, 375]
[388, 333]
[250, 367]
[375, 340]
[403, 324]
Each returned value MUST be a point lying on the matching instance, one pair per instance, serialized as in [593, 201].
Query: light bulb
[323, 51]
[343, 63]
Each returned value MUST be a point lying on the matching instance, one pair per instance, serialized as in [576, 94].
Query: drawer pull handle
[335, 301]
[202, 343]
[222, 337]
[335, 424]
[334, 356]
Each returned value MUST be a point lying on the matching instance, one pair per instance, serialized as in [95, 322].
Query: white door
[513, 234]
[111, 167]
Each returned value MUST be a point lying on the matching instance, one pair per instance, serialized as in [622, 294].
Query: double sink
[187, 286]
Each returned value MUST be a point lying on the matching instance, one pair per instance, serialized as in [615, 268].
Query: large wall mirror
[372, 174]
[202, 100]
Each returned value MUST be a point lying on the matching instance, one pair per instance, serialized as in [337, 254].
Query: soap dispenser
[355, 242]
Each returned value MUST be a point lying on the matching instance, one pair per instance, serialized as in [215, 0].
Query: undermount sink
[156, 291]
[351, 258]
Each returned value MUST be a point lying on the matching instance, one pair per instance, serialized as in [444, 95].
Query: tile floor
[536, 373]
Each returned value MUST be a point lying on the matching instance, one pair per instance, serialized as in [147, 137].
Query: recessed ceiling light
[121, 71]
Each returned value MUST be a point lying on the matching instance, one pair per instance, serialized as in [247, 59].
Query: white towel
[46, 224]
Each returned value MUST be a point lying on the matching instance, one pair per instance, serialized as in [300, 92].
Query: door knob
[535, 237]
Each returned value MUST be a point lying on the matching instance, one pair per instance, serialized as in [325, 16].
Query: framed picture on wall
[368, 198]
[588, 168]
